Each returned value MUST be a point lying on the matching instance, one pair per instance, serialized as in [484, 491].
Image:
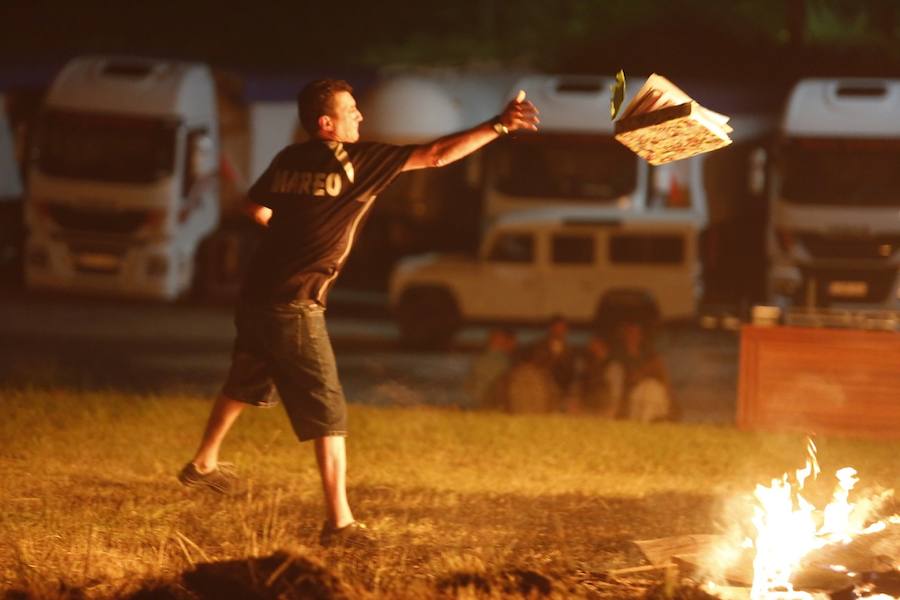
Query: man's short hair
[316, 99]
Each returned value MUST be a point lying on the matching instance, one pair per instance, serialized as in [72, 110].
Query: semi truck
[129, 178]
[834, 229]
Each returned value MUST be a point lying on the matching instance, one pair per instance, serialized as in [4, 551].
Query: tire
[428, 318]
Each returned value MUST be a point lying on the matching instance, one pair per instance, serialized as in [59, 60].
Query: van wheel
[620, 306]
[427, 317]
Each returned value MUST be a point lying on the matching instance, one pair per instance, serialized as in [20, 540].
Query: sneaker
[353, 536]
[220, 480]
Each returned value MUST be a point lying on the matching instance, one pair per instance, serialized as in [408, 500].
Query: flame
[788, 527]
[786, 530]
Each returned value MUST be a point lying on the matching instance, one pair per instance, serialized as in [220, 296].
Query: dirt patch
[687, 591]
[279, 576]
[512, 581]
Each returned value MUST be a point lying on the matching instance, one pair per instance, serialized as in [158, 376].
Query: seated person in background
[486, 380]
[554, 354]
[642, 391]
[600, 379]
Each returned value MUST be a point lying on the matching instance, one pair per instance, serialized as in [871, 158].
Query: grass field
[464, 504]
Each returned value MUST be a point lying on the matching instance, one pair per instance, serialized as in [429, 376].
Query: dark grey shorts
[286, 348]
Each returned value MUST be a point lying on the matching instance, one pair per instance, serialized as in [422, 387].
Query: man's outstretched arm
[518, 114]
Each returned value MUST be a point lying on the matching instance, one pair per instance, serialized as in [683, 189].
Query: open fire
[829, 548]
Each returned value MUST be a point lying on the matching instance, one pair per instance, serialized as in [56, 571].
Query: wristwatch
[499, 127]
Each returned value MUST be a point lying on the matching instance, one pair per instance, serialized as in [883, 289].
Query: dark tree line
[742, 38]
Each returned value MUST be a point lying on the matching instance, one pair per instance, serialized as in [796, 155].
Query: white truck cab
[834, 236]
[532, 265]
[122, 177]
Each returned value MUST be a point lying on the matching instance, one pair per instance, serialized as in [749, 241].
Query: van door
[510, 283]
[573, 279]
[660, 260]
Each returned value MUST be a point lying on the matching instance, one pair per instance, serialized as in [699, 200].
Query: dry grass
[465, 504]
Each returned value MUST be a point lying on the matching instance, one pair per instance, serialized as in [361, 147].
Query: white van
[584, 264]
[834, 235]
[122, 177]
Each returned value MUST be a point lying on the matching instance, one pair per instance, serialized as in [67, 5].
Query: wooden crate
[824, 381]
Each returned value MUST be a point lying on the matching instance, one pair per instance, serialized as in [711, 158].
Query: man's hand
[260, 214]
[520, 114]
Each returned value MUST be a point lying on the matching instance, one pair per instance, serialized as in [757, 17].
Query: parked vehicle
[122, 185]
[584, 264]
[132, 188]
[11, 192]
[834, 235]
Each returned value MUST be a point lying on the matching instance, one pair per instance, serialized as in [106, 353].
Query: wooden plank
[660, 551]
[829, 381]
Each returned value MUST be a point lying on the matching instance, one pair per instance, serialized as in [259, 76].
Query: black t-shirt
[320, 193]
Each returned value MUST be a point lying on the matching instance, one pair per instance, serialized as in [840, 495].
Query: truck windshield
[860, 172]
[579, 167]
[105, 147]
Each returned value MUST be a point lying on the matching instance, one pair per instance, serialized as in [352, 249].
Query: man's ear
[325, 123]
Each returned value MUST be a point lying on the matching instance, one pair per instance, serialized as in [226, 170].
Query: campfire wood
[867, 562]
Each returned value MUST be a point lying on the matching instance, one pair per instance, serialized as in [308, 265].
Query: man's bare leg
[222, 416]
[331, 455]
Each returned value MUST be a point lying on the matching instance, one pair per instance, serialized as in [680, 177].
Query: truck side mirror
[202, 154]
[756, 171]
[200, 159]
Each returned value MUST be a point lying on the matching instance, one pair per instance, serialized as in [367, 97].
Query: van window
[513, 247]
[570, 249]
[642, 248]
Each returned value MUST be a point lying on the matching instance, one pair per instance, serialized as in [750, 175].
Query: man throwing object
[313, 198]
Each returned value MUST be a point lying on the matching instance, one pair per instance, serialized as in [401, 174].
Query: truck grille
[865, 286]
[878, 247]
[76, 219]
